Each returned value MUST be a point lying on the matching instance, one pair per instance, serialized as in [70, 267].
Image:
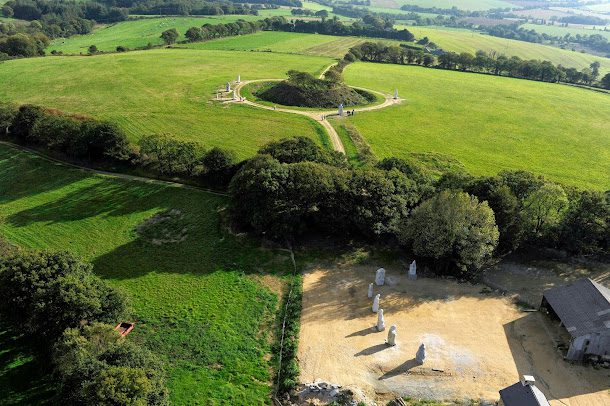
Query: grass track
[163, 91]
[199, 303]
[460, 40]
[489, 123]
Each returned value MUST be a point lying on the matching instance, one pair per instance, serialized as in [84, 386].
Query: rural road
[316, 115]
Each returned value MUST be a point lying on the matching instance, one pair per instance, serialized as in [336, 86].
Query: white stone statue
[370, 294]
[392, 336]
[228, 86]
[413, 270]
[420, 356]
[380, 321]
[376, 303]
[380, 277]
[396, 94]
[238, 78]
[234, 95]
[341, 110]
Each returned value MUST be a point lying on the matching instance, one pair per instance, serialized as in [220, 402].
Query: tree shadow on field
[533, 341]
[340, 293]
[401, 369]
[23, 175]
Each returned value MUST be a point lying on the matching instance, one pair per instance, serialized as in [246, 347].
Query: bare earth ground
[477, 342]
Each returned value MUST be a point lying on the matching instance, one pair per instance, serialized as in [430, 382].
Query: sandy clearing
[477, 343]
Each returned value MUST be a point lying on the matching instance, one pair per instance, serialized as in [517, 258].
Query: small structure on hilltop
[376, 303]
[391, 336]
[524, 393]
[583, 308]
[413, 271]
[380, 321]
[380, 277]
[340, 110]
[420, 355]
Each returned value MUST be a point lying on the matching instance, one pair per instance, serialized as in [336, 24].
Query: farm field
[164, 91]
[286, 42]
[489, 123]
[200, 301]
[473, 5]
[459, 40]
[561, 31]
[136, 33]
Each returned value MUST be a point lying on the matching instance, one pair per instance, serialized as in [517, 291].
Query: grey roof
[523, 395]
[583, 306]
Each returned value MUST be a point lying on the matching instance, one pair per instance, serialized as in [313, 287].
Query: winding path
[319, 115]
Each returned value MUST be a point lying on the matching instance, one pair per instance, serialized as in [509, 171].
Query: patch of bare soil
[477, 342]
[168, 227]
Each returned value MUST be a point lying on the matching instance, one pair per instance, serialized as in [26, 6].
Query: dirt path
[110, 174]
[318, 115]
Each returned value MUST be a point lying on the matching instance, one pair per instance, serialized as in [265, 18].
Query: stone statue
[380, 321]
[413, 271]
[238, 78]
[392, 336]
[396, 94]
[420, 356]
[380, 277]
[370, 295]
[376, 303]
[341, 110]
[228, 87]
[234, 95]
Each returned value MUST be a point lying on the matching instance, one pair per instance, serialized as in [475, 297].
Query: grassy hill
[285, 42]
[561, 31]
[489, 123]
[460, 40]
[163, 91]
[136, 33]
[200, 303]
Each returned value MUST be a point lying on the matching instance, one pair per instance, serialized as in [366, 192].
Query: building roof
[583, 306]
[523, 395]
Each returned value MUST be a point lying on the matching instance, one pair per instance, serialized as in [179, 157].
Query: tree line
[85, 140]
[184, 7]
[482, 62]
[456, 221]
[70, 315]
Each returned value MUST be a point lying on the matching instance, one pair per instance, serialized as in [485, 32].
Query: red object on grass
[124, 328]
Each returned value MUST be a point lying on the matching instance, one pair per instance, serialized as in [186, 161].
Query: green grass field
[461, 4]
[136, 33]
[284, 42]
[164, 91]
[461, 40]
[489, 123]
[562, 31]
[199, 303]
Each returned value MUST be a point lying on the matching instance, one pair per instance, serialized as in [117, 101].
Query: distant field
[285, 42]
[458, 40]
[200, 304]
[562, 31]
[489, 123]
[163, 91]
[461, 4]
[598, 8]
[136, 33]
